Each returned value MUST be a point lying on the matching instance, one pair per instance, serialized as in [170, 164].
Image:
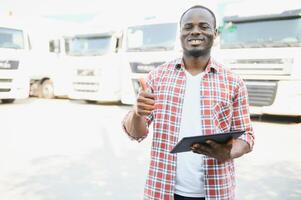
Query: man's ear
[215, 33]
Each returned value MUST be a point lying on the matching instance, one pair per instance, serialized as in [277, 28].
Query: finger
[143, 84]
[212, 144]
[144, 112]
[146, 95]
[230, 142]
[198, 151]
[198, 148]
[145, 101]
[195, 146]
[143, 106]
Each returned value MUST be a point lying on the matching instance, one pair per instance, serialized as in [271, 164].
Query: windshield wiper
[233, 46]
[279, 44]
[9, 47]
[150, 48]
[95, 54]
[135, 49]
[254, 45]
[75, 54]
[159, 48]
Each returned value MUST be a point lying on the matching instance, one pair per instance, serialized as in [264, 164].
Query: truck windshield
[258, 34]
[88, 46]
[160, 37]
[11, 38]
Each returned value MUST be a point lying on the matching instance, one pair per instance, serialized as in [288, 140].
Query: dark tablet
[185, 143]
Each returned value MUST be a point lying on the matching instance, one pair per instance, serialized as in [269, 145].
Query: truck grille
[261, 93]
[143, 67]
[85, 87]
[262, 67]
[4, 90]
[6, 80]
[4, 84]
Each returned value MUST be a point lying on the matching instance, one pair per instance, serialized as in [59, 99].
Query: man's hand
[145, 101]
[221, 152]
[135, 124]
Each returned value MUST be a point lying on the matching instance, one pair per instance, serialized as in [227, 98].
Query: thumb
[143, 84]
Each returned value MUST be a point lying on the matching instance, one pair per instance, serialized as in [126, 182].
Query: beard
[197, 52]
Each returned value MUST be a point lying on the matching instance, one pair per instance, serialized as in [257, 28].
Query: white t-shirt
[190, 172]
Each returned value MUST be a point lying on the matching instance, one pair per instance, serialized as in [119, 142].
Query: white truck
[265, 50]
[146, 45]
[14, 47]
[95, 65]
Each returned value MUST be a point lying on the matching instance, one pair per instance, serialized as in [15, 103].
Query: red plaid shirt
[223, 106]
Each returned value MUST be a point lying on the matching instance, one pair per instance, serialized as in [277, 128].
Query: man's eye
[187, 27]
[205, 27]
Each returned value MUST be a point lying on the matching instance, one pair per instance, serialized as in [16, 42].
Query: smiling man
[189, 96]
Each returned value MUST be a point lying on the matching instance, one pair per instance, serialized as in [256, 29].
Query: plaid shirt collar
[211, 65]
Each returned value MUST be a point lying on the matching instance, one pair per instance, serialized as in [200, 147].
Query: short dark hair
[202, 7]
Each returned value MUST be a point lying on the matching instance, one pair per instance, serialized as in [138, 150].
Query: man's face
[197, 32]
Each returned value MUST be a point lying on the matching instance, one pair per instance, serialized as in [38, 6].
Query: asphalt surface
[68, 150]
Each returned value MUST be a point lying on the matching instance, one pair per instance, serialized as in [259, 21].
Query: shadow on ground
[93, 177]
[277, 181]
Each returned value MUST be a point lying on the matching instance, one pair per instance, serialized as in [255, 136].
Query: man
[192, 95]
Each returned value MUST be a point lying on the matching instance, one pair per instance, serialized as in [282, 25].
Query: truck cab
[14, 48]
[95, 66]
[265, 50]
[146, 45]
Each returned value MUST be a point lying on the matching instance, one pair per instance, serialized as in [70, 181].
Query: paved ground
[65, 150]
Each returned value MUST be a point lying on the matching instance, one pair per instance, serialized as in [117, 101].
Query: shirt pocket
[222, 115]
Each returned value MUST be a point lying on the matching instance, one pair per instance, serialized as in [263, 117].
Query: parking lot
[70, 150]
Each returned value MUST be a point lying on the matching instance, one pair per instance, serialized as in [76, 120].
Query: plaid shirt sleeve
[138, 139]
[148, 119]
[241, 116]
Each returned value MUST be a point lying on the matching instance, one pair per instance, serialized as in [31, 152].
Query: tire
[91, 101]
[298, 120]
[46, 90]
[34, 89]
[7, 100]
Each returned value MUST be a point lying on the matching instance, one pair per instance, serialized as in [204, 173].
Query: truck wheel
[46, 90]
[7, 100]
[298, 119]
[91, 101]
[34, 89]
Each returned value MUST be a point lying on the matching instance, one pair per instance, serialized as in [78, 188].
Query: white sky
[97, 12]
[119, 10]
[62, 7]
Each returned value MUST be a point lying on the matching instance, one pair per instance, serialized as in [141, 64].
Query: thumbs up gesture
[143, 84]
[145, 101]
